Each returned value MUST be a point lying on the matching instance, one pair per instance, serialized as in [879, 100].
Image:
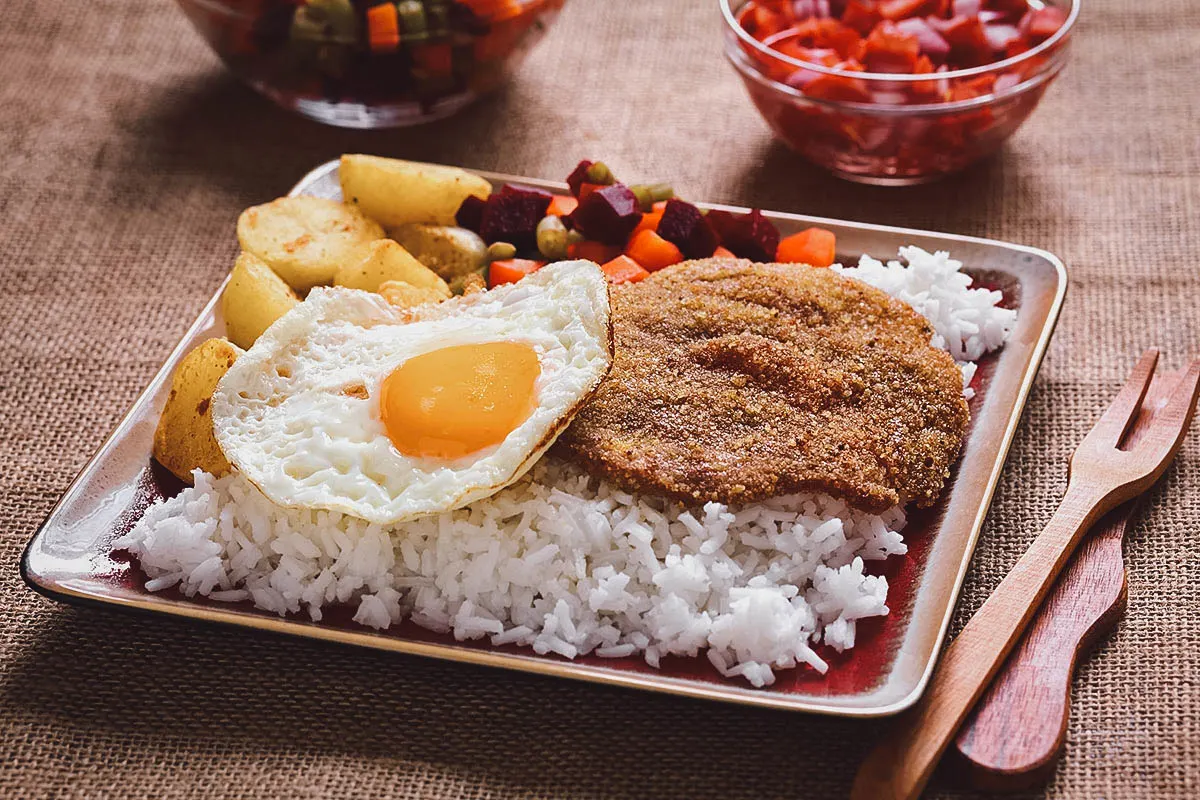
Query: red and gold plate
[70, 558]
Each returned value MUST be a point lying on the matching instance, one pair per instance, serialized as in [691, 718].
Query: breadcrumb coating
[736, 382]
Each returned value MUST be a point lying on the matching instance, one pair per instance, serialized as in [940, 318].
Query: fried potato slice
[253, 299]
[384, 260]
[305, 239]
[396, 192]
[404, 295]
[184, 439]
[447, 250]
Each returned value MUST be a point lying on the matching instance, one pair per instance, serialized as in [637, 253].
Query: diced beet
[512, 214]
[470, 213]
[684, 226]
[932, 43]
[608, 215]
[751, 236]
[518, 189]
[578, 176]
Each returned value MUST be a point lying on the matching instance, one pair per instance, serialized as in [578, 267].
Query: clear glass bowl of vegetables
[372, 64]
[896, 92]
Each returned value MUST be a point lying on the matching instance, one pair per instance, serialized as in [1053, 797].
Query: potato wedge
[184, 439]
[404, 295]
[253, 299]
[305, 239]
[396, 192]
[385, 260]
[447, 250]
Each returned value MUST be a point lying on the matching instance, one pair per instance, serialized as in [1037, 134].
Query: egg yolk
[455, 401]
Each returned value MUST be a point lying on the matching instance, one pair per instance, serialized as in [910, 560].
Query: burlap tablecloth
[128, 153]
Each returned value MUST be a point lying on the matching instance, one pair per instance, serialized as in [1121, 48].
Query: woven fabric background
[127, 153]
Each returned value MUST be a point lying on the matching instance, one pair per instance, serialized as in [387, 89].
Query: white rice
[566, 564]
[967, 322]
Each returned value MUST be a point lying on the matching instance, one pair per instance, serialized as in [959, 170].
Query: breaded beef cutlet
[737, 382]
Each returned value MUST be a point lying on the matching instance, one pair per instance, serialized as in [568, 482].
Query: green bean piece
[501, 251]
[574, 237]
[552, 237]
[412, 17]
[662, 191]
[650, 193]
[600, 174]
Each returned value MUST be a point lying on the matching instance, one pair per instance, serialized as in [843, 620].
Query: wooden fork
[1101, 477]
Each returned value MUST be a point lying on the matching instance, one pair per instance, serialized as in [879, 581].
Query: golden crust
[736, 382]
[305, 239]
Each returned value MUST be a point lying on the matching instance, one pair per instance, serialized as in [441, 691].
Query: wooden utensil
[1013, 738]
[1102, 476]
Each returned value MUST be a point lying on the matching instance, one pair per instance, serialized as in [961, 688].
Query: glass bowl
[369, 64]
[895, 129]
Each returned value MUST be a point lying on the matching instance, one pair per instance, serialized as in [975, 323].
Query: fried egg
[349, 404]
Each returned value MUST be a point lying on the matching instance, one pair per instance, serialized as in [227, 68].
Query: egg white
[289, 414]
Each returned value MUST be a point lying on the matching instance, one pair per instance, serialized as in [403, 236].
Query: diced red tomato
[889, 49]
[890, 36]
[1040, 24]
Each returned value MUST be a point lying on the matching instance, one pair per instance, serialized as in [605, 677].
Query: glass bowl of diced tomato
[897, 92]
[368, 63]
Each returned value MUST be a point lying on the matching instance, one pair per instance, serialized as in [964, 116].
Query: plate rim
[658, 682]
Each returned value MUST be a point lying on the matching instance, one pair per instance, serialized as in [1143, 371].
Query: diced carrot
[815, 246]
[593, 251]
[383, 28]
[511, 270]
[650, 220]
[652, 251]
[722, 252]
[561, 205]
[624, 269]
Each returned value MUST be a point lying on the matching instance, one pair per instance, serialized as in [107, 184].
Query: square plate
[70, 557]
